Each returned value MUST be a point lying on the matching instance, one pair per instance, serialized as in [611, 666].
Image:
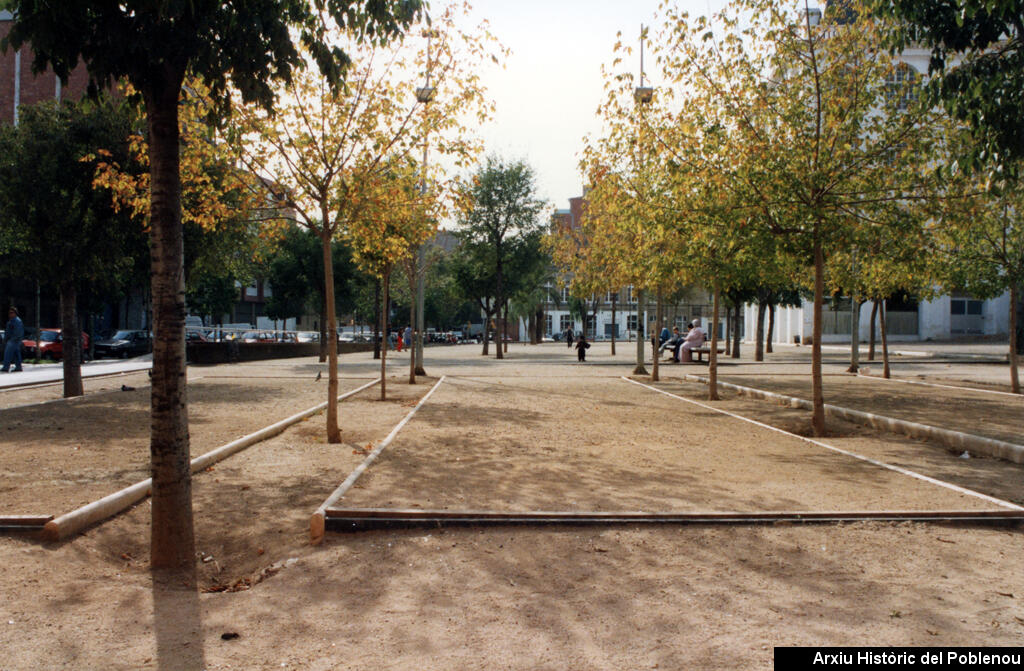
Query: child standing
[581, 347]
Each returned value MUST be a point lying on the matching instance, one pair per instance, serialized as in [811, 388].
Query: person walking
[581, 348]
[14, 333]
[569, 337]
[408, 338]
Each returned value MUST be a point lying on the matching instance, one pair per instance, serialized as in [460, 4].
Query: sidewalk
[54, 372]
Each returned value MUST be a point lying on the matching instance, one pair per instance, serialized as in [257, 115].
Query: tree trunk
[377, 340]
[639, 369]
[323, 329]
[92, 336]
[656, 336]
[386, 285]
[759, 345]
[487, 325]
[713, 355]
[172, 539]
[1014, 357]
[736, 333]
[817, 393]
[854, 338]
[871, 327]
[499, 300]
[504, 328]
[71, 334]
[1019, 328]
[771, 328]
[614, 325]
[412, 325]
[728, 331]
[885, 342]
[333, 432]
[419, 327]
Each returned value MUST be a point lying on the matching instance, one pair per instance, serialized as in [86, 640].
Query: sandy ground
[536, 431]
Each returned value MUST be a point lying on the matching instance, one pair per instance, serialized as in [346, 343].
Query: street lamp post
[424, 95]
[642, 96]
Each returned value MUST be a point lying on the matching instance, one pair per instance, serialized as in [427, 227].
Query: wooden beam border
[355, 519]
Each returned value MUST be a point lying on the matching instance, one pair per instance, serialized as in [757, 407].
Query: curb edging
[955, 439]
[71, 523]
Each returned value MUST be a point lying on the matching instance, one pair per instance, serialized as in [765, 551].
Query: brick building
[19, 86]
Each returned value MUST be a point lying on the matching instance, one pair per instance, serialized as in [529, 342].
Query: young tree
[394, 220]
[980, 238]
[499, 205]
[813, 128]
[154, 43]
[325, 150]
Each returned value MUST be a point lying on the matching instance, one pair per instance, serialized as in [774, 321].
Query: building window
[630, 296]
[591, 326]
[566, 322]
[630, 322]
[565, 294]
[547, 324]
[902, 86]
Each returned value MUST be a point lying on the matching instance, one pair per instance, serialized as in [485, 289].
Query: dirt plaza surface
[536, 431]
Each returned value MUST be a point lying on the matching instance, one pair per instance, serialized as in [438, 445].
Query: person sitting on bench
[672, 344]
[694, 340]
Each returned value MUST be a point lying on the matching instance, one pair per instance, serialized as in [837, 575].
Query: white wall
[933, 321]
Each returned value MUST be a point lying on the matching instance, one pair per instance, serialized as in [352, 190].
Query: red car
[51, 346]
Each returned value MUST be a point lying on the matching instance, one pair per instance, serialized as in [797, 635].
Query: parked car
[124, 344]
[257, 336]
[308, 336]
[51, 344]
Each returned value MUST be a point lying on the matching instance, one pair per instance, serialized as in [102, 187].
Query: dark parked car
[51, 345]
[124, 344]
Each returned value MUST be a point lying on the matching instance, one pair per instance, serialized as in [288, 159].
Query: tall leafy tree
[154, 43]
[53, 225]
[473, 270]
[500, 205]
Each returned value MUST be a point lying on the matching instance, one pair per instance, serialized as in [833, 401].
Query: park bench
[687, 356]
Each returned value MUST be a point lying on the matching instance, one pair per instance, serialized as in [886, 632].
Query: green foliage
[977, 55]
[212, 295]
[153, 42]
[502, 213]
[53, 226]
[296, 275]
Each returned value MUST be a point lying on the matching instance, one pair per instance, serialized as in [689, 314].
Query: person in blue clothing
[13, 335]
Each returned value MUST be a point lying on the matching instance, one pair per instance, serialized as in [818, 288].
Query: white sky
[548, 94]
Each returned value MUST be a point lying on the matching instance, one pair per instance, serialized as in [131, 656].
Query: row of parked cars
[120, 344]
